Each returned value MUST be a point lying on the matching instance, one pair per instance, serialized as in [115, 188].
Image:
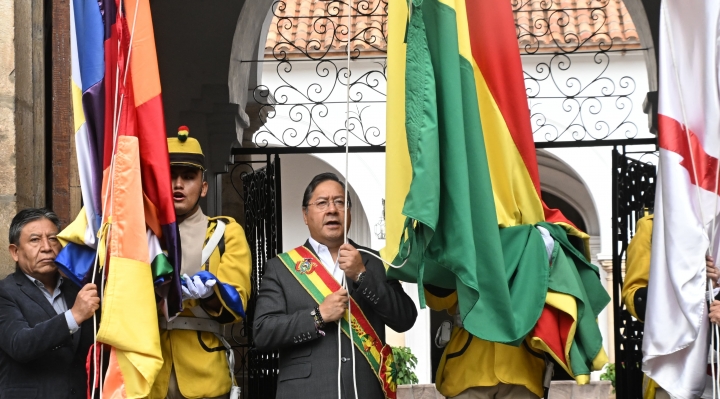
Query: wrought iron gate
[258, 184]
[634, 177]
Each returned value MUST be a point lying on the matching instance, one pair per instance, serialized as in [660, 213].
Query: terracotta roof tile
[318, 26]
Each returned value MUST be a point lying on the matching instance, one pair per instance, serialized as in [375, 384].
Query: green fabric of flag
[452, 233]
[572, 274]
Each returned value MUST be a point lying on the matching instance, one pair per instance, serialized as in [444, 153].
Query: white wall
[610, 94]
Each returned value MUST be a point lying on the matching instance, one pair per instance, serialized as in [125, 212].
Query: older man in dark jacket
[45, 321]
[301, 301]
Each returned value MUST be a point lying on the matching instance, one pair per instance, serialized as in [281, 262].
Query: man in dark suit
[294, 316]
[45, 321]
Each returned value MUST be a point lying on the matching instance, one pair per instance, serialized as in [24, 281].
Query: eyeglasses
[323, 204]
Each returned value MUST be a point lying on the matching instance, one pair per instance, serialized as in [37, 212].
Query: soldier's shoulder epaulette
[225, 219]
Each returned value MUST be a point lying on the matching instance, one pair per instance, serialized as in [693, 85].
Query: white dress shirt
[323, 252]
[57, 301]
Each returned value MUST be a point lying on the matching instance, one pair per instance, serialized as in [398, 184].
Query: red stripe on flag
[154, 159]
[674, 138]
[555, 216]
[494, 47]
[553, 328]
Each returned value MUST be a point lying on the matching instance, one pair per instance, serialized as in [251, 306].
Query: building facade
[220, 65]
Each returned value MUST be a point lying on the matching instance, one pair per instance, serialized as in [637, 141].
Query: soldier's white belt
[444, 332]
[191, 323]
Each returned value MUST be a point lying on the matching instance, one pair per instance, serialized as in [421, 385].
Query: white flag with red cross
[675, 344]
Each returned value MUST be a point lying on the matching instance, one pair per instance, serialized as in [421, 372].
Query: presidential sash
[319, 283]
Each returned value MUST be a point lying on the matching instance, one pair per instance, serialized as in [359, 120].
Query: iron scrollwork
[331, 29]
[305, 99]
[596, 107]
[573, 92]
[544, 23]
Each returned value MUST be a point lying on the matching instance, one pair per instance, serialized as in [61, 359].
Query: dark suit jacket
[39, 358]
[308, 363]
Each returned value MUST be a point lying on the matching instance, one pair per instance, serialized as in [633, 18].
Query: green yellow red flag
[462, 180]
[451, 221]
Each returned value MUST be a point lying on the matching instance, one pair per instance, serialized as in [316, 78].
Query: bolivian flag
[463, 191]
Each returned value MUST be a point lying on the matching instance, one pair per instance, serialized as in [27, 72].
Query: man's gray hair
[26, 216]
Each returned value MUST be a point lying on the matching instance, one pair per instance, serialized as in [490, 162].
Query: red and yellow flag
[138, 202]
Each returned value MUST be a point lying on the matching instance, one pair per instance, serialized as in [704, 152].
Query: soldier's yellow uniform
[469, 362]
[197, 355]
[201, 373]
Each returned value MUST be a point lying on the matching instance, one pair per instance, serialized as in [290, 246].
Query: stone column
[7, 129]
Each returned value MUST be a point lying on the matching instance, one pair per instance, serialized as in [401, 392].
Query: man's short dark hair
[316, 181]
[26, 216]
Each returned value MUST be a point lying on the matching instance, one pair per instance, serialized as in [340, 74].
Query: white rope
[407, 256]
[339, 339]
[345, 223]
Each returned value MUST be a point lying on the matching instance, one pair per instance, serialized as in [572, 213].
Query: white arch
[560, 179]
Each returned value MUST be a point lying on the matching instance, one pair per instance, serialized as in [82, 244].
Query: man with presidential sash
[301, 301]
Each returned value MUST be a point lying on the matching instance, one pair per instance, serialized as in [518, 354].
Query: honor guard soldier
[215, 268]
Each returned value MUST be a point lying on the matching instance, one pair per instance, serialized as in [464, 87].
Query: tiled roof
[318, 26]
[544, 26]
[572, 23]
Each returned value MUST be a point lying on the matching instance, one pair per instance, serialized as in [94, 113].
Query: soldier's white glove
[194, 288]
[548, 240]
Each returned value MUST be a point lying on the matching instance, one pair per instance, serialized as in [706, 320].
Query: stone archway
[646, 23]
[248, 40]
